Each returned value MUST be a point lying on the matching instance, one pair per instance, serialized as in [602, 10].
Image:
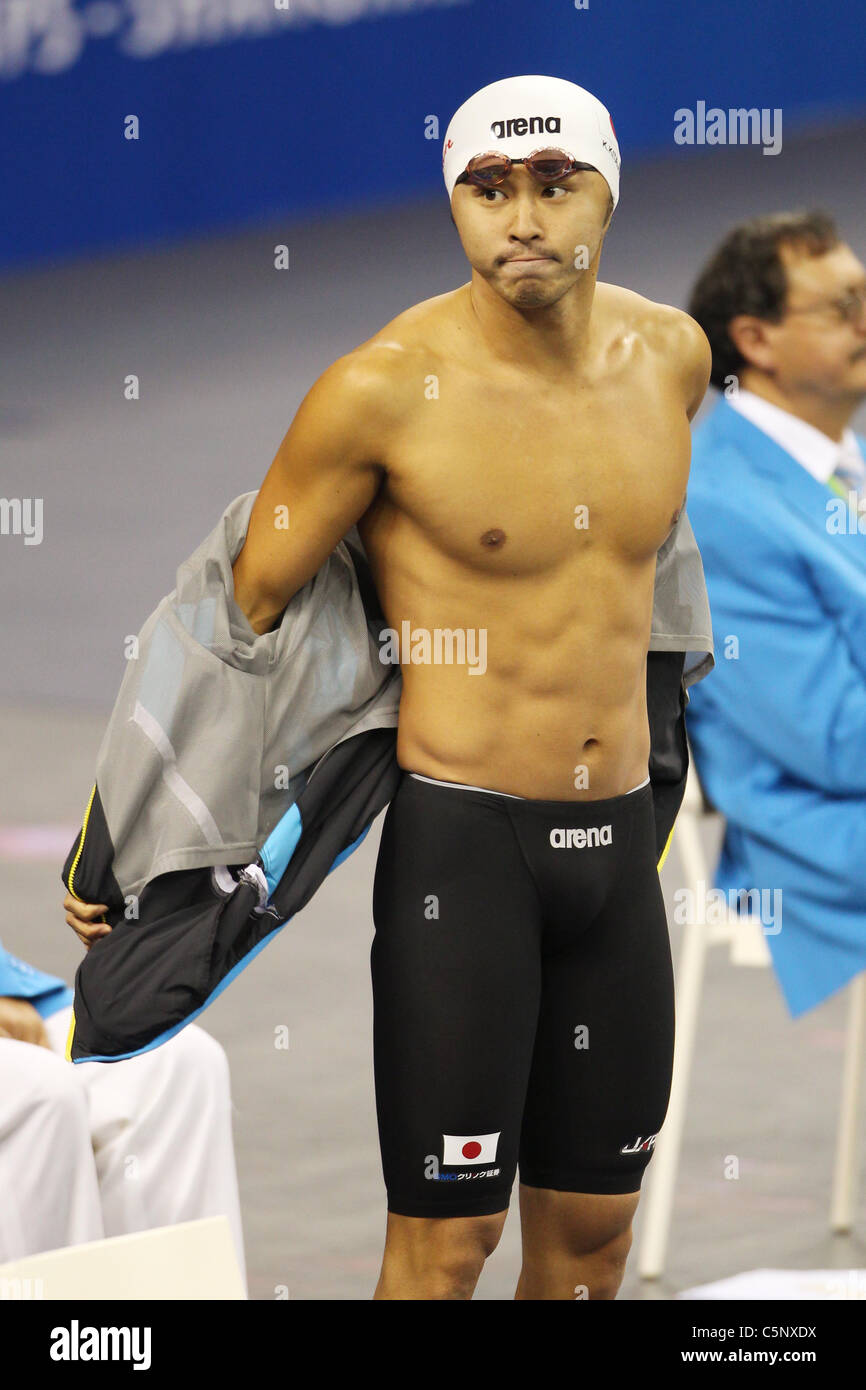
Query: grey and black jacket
[238, 769]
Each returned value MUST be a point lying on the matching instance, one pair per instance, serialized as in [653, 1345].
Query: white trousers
[101, 1149]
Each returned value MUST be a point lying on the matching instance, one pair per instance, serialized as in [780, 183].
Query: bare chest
[521, 480]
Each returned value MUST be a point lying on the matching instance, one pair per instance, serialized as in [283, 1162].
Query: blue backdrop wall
[246, 110]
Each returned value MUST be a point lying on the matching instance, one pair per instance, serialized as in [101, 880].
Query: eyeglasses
[848, 307]
[490, 169]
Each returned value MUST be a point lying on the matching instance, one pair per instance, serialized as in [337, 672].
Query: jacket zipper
[80, 849]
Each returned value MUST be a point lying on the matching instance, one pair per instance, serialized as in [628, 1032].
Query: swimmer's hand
[22, 1023]
[82, 918]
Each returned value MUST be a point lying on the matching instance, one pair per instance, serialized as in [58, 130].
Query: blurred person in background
[778, 506]
[96, 1150]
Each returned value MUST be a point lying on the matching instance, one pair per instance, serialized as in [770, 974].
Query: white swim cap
[521, 114]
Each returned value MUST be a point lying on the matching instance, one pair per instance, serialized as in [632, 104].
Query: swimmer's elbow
[262, 610]
[260, 624]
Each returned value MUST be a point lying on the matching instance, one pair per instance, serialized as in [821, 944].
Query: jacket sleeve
[669, 755]
[681, 610]
[680, 654]
[791, 674]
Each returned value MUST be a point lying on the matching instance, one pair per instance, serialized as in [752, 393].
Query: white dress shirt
[817, 452]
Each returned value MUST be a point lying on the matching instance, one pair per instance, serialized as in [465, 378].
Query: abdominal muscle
[559, 718]
[528, 747]
[545, 693]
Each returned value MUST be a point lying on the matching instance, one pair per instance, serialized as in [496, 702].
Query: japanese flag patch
[463, 1150]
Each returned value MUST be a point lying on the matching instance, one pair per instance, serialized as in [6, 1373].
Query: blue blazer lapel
[792, 485]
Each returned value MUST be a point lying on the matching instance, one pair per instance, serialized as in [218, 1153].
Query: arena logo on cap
[521, 125]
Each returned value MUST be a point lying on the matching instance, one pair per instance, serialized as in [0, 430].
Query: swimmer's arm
[693, 353]
[324, 476]
[687, 349]
[697, 361]
[683, 348]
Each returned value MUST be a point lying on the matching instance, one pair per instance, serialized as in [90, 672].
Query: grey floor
[225, 347]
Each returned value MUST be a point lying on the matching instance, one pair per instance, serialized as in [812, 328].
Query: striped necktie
[849, 475]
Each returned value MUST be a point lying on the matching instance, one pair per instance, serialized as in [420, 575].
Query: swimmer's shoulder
[673, 337]
[397, 362]
[370, 395]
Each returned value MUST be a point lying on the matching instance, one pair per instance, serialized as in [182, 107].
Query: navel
[493, 539]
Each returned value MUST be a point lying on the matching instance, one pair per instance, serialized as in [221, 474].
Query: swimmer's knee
[437, 1258]
[573, 1239]
[607, 1264]
[585, 1221]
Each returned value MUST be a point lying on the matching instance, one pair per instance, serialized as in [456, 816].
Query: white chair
[744, 935]
[192, 1260]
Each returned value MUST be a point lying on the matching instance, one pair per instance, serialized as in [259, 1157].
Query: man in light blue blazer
[777, 500]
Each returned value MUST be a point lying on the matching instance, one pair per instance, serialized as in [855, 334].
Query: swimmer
[515, 452]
